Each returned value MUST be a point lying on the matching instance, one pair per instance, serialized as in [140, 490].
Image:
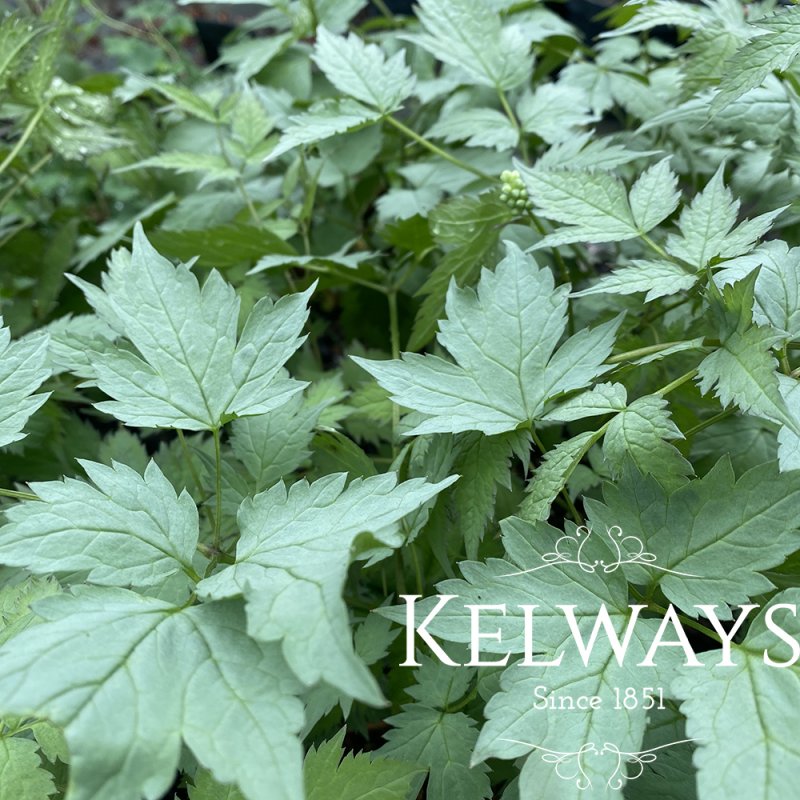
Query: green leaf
[16, 33]
[112, 232]
[766, 53]
[554, 111]
[476, 127]
[553, 473]
[324, 119]
[273, 445]
[206, 788]
[671, 776]
[743, 716]
[22, 776]
[443, 744]
[483, 462]
[657, 278]
[16, 600]
[220, 246]
[183, 98]
[654, 196]
[331, 775]
[128, 677]
[664, 12]
[190, 371]
[707, 528]
[291, 562]
[23, 368]
[642, 432]
[605, 398]
[250, 56]
[129, 530]
[212, 167]
[363, 71]
[503, 338]
[706, 226]
[469, 227]
[341, 258]
[469, 35]
[592, 205]
[595, 206]
[777, 289]
[515, 727]
[743, 372]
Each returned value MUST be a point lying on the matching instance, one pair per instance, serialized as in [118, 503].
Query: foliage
[381, 305]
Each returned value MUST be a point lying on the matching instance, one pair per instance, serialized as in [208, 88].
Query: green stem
[707, 423]
[394, 335]
[323, 270]
[384, 9]
[687, 376]
[785, 365]
[218, 490]
[24, 178]
[688, 621]
[512, 118]
[655, 246]
[195, 476]
[465, 701]
[404, 129]
[417, 569]
[26, 134]
[18, 495]
[216, 555]
[192, 574]
[641, 351]
[240, 185]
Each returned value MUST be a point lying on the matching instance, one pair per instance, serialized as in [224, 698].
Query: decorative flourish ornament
[569, 549]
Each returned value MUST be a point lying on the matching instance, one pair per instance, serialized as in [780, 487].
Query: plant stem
[24, 178]
[641, 351]
[218, 490]
[216, 555]
[687, 376]
[18, 495]
[404, 129]
[394, 335]
[698, 626]
[26, 134]
[323, 270]
[384, 9]
[785, 365]
[707, 423]
[417, 569]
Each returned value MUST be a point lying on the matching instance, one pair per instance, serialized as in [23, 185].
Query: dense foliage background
[214, 497]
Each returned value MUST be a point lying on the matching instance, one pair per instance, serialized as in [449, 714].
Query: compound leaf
[333, 775]
[291, 562]
[128, 677]
[126, 530]
[23, 368]
[469, 34]
[21, 773]
[704, 533]
[742, 716]
[363, 71]
[503, 338]
[190, 372]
